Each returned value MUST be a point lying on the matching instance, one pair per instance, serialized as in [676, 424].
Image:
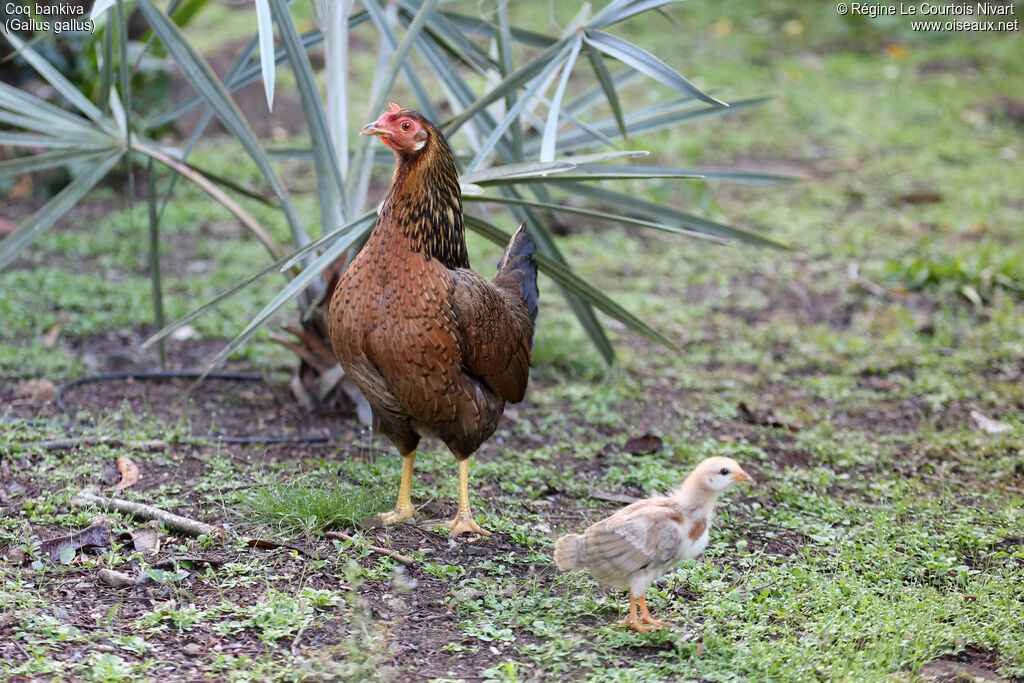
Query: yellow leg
[464, 522]
[639, 624]
[645, 616]
[403, 508]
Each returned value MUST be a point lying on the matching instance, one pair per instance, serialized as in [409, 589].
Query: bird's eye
[406, 126]
[724, 471]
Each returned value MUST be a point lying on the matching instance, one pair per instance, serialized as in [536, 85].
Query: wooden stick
[295, 643]
[612, 497]
[407, 561]
[143, 511]
[60, 444]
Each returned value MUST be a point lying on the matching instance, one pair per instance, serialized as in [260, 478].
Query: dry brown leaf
[22, 189]
[38, 390]
[95, 535]
[212, 560]
[371, 523]
[146, 539]
[764, 419]
[129, 474]
[642, 445]
[49, 339]
[896, 51]
[920, 197]
[273, 545]
[7, 226]
[721, 28]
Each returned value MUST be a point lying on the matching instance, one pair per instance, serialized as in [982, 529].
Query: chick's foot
[640, 626]
[645, 615]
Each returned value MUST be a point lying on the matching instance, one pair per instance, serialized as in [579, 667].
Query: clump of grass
[312, 502]
[978, 273]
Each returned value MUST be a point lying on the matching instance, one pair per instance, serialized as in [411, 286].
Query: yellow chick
[639, 543]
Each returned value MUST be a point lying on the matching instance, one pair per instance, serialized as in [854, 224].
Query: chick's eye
[724, 471]
[406, 126]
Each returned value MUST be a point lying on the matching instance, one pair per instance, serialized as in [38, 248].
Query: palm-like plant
[530, 144]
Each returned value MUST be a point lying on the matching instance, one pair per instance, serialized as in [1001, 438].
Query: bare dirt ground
[419, 626]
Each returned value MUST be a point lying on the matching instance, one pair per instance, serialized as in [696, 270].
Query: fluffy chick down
[634, 546]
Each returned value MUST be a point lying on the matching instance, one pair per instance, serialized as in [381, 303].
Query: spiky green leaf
[202, 78]
[43, 219]
[547, 144]
[265, 30]
[642, 60]
[604, 78]
[565, 277]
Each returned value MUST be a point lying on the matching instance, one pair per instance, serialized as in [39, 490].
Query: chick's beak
[742, 476]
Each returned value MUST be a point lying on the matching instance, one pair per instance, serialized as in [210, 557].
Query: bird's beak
[742, 476]
[373, 129]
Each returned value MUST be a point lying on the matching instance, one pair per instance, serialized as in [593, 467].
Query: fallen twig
[59, 444]
[853, 273]
[398, 557]
[763, 419]
[143, 511]
[302, 629]
[598, 494]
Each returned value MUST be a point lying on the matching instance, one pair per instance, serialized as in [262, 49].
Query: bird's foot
[640, 626]
[645, 614]
[399, 514]
[464, 525]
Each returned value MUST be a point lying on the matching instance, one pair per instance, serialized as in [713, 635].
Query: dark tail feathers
[517, 265]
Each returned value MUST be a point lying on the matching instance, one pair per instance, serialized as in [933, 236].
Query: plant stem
[272, 245]
[154, 261]
[398, 557]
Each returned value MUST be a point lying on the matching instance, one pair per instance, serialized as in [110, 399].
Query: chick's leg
[403, 508]
[645, 616]
[638, 624]
[464, 522]
[631, 619]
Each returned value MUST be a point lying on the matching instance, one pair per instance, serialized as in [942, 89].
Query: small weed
[278, 616]
[309, 503]
[980, 273]
[363, 656]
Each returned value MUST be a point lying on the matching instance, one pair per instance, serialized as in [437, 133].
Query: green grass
[882, 534]
[310, 503]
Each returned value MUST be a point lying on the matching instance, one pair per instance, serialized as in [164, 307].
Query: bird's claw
[465, 525]
[641, 626]
[399, 514]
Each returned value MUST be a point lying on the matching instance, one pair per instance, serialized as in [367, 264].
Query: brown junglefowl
[436, 349]
[642, 541]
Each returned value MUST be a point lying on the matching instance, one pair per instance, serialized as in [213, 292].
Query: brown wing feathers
[415, 328]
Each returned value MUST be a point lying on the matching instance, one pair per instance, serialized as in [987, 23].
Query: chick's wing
[643, 536]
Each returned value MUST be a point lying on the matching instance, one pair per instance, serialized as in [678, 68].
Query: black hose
[152, 375]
